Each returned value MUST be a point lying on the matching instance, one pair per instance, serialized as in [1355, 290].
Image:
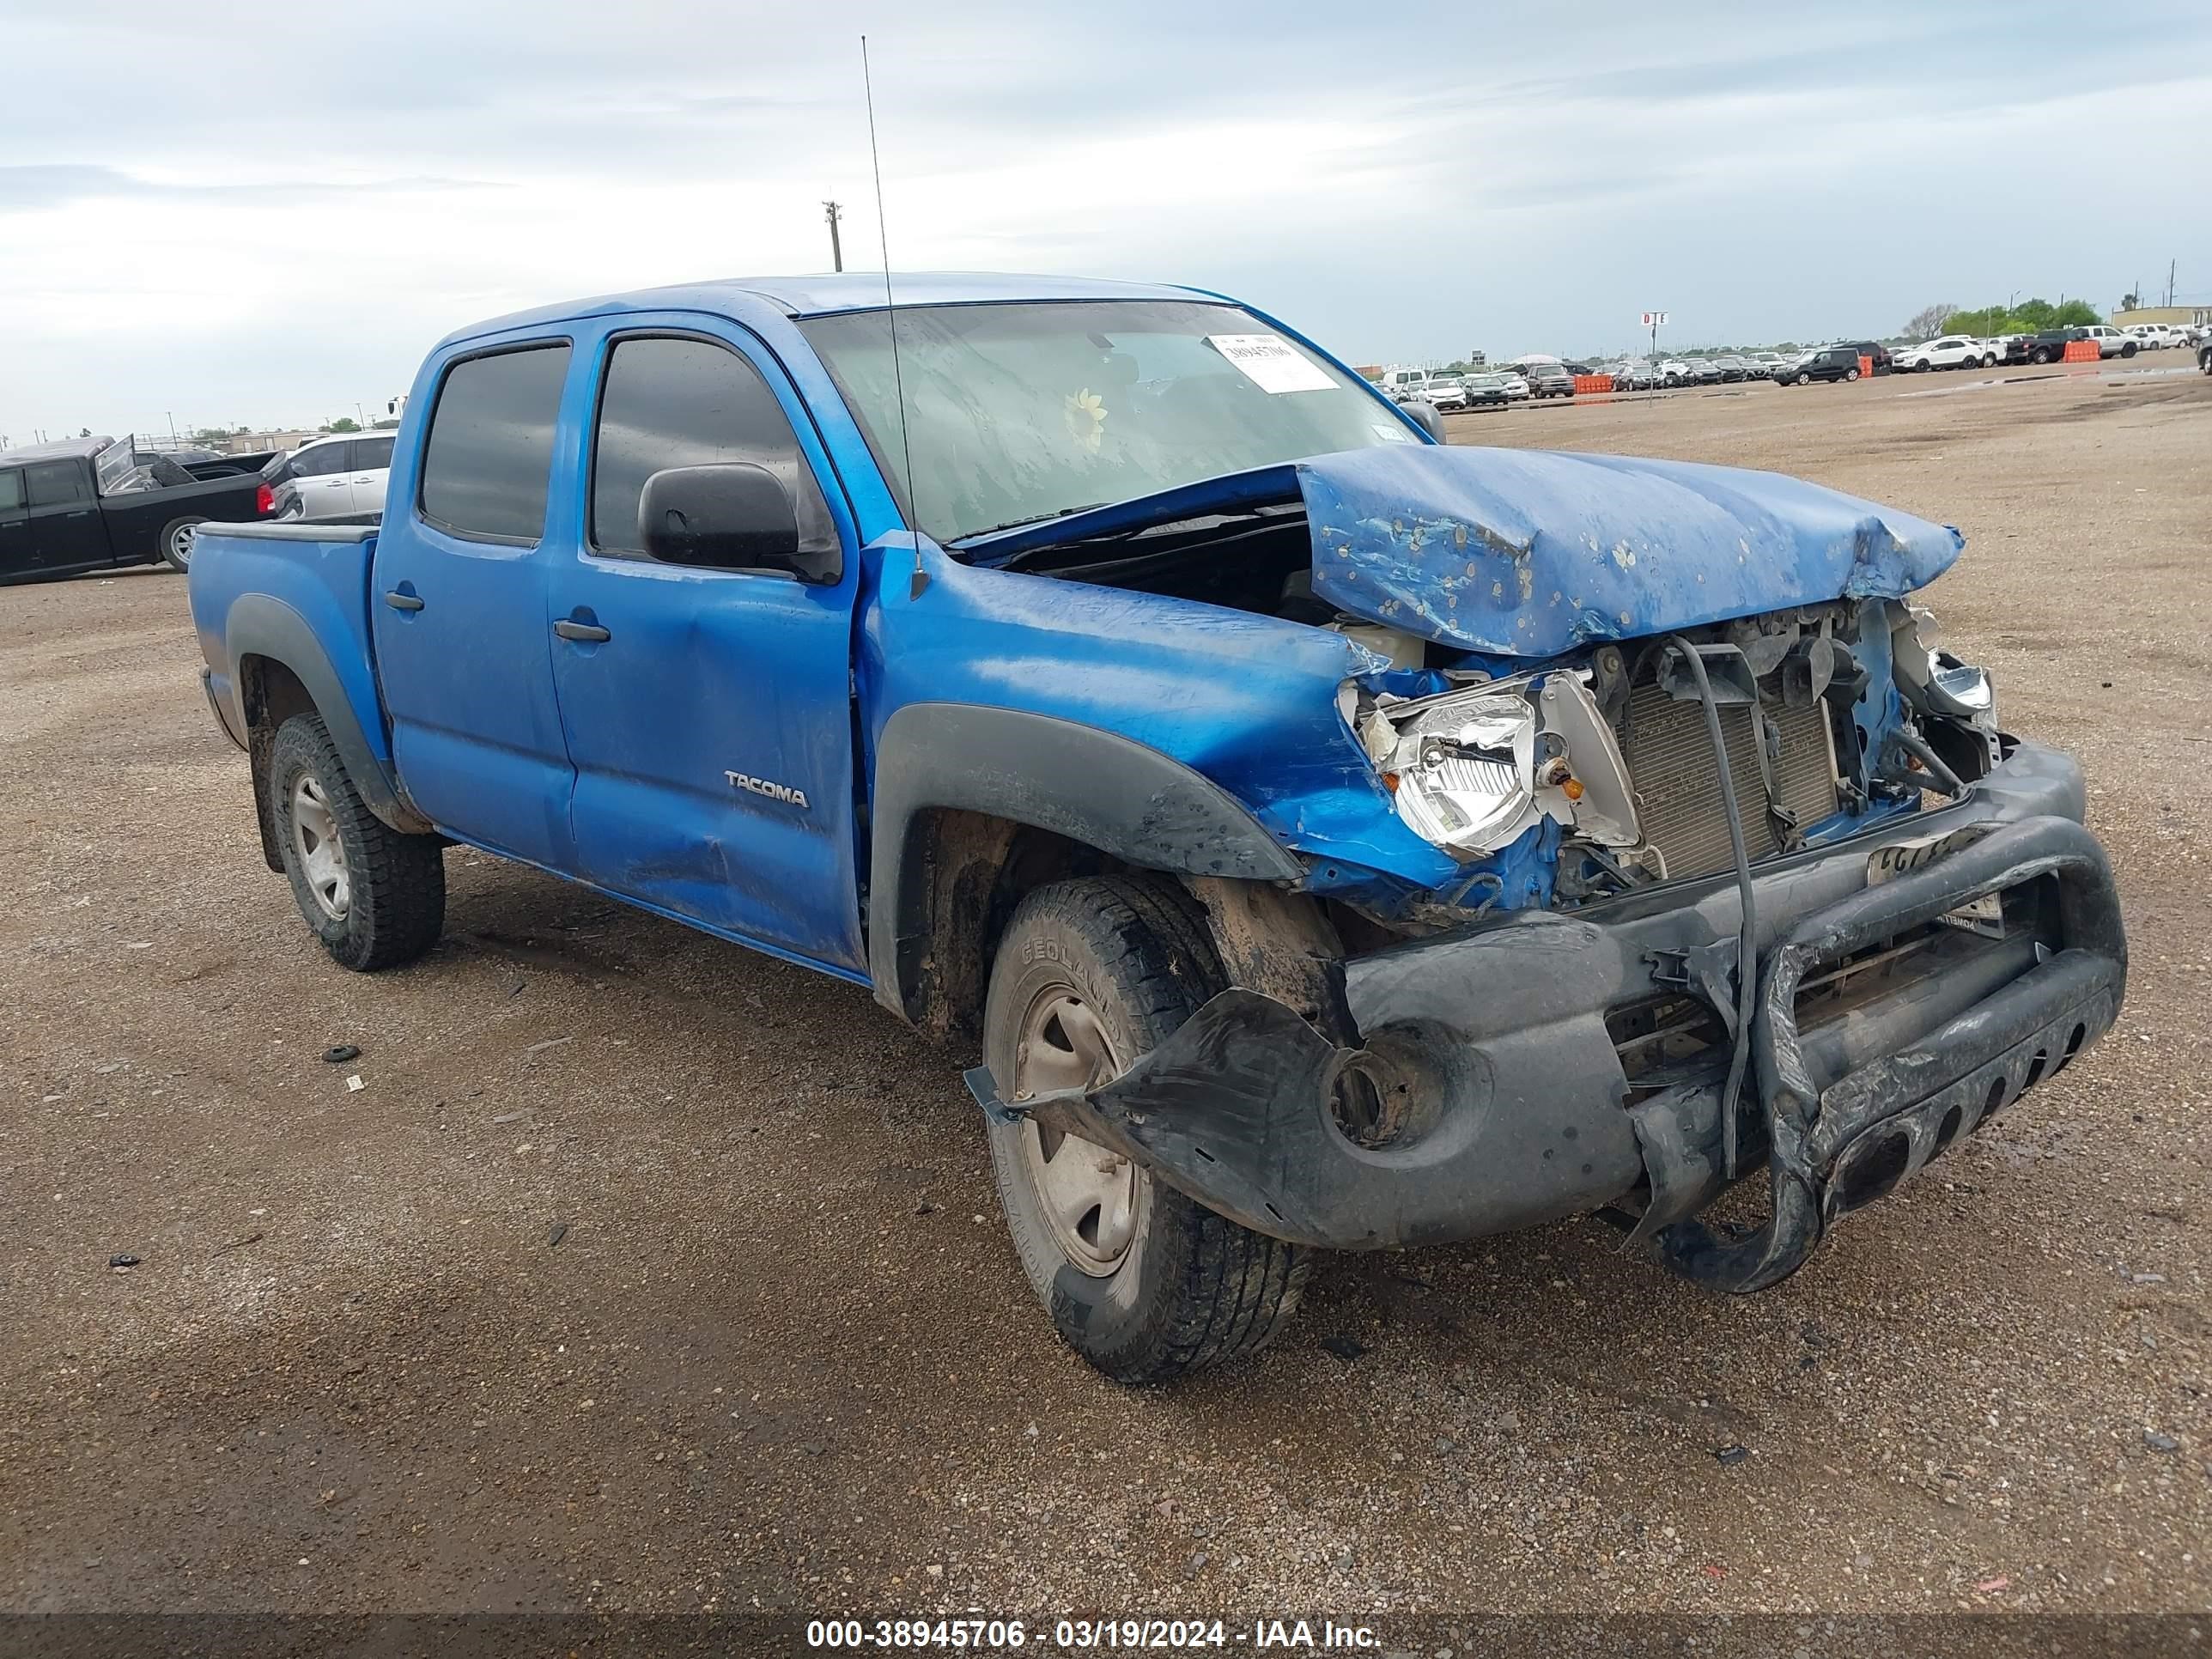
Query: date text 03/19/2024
[1110, 1635]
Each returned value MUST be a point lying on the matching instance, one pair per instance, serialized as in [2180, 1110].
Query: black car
[96, 504]
[1875, 352]
[1546, 378]
[1835, 363]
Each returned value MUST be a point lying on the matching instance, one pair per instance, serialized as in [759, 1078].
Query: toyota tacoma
[1325, 839]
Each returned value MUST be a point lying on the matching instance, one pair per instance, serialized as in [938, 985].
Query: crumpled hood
[1530, 553]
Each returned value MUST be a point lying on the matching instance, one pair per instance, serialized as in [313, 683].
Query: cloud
[267, 224]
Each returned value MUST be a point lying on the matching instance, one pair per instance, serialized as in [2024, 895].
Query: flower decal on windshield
[1086, 419]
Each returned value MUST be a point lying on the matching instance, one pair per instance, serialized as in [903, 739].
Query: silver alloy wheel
[319, 848]
[1091, 1197]
[181, 544]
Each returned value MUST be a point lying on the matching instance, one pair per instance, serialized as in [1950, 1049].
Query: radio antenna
[891, 311]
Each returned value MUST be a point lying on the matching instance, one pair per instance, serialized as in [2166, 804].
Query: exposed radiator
[1678, 798]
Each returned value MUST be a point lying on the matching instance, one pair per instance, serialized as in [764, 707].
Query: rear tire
[176, 542]
[1145, 1283]
[1851, 374]
[376, 896]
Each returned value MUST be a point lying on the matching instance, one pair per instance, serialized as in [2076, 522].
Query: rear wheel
[176, 542]
[1145, 1283]
[1851, 374]
[376, 896]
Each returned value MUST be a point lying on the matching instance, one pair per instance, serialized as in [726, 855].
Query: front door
[67, 532]
[708, 712]
[458, 592]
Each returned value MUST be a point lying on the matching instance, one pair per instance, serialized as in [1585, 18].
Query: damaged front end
[1703, 858]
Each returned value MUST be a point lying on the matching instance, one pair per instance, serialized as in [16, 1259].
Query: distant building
[2188, 316]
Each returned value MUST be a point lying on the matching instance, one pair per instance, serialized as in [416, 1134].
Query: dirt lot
[782, 1356]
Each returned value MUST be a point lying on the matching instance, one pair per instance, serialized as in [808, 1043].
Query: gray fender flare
[1099, 788]
[260, 626]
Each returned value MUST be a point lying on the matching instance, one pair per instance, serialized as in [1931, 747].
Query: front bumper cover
[1497, 1041]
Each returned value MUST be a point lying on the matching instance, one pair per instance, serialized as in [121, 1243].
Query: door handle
[403, 601]
[591, 633]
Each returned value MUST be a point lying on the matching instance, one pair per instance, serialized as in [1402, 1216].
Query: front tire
[176, 542]
[1147, 1285]
[376, 896]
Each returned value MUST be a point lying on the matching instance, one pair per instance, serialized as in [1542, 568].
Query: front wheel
[1145, 1283]
[176, 542]
[374, 896]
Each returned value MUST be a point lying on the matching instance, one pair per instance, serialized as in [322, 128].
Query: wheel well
[270, 694]
[967, 870]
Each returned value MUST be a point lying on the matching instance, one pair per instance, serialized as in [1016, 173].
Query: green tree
[343, 423]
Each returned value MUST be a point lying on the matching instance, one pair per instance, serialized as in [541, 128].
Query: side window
[487, 465]
[320, 461]
[369, 454]
[673, 401]
[12, 491]
[56, 483]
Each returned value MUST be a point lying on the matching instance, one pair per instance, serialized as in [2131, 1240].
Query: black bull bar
[1235, 1108]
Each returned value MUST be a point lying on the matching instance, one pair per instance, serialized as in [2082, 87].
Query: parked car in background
[2112, 342]
[1581, 368]
[1945, 351]
[1483, 390]
[2204, 354]
[1636, 373]
[337, 477]
[1129, 749]
[1403, 386]
[2157, 337]
[97, 503]
[1833, 362]
[1877, 354]
[2048, 346]
[1517, 384]
[1547, 377]
[1445, 393]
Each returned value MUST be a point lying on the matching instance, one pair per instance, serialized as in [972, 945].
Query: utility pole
[833, 212]
[2170, 265]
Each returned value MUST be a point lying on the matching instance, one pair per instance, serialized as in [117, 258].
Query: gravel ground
[642, 1272]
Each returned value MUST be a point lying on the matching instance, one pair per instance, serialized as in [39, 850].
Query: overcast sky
[265, 214]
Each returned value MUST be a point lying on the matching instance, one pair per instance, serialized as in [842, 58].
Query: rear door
[371, 470]
[458, 592]
[66, 530]
[323, 474]
[14, 524]
[708, 712]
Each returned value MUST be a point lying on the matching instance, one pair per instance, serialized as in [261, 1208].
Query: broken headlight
[1471, 770]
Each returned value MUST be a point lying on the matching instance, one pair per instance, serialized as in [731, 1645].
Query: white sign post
[1651, 320]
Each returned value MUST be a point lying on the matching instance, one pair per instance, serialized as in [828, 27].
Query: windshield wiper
[1015, 524]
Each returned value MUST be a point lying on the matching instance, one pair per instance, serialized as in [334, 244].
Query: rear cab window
[369, 454]
[11, 490]
[487, 462]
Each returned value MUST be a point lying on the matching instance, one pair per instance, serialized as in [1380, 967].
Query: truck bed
[256, 587]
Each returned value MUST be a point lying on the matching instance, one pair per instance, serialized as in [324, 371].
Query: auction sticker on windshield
[1272, 363]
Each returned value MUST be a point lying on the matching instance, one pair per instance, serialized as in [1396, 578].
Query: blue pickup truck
[1327, 838]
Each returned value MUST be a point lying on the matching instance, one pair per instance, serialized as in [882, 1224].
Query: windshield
[1019, 413]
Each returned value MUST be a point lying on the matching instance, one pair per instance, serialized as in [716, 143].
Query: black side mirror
[1424, 416]
[731, 517]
